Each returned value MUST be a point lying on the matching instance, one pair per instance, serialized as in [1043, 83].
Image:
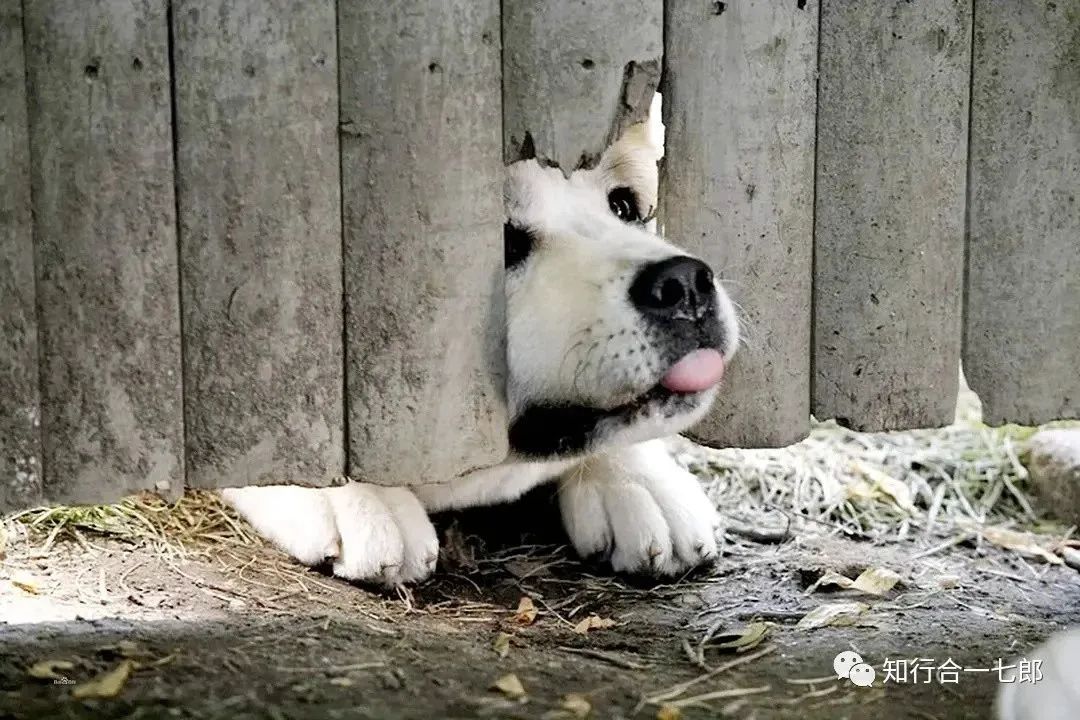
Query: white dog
[616, 339]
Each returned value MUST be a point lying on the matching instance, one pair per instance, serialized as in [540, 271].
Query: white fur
[371, 533]
[634, 504]
[572, 334]
[296, 519]
[503, 483]
[573, 337]
[641, 509]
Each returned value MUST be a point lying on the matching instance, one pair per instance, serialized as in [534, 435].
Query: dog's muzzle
[677, 298]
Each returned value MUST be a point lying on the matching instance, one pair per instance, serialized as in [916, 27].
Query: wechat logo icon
[850, 665]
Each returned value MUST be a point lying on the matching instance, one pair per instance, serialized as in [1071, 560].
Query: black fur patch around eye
[517, 244]
[624, 204]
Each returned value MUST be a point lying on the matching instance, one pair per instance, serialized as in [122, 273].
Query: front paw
[640, 508]
[386, 536]
[370, 533]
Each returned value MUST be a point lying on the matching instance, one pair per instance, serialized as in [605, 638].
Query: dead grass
[918, 484]
[193, 523]
[925, 482]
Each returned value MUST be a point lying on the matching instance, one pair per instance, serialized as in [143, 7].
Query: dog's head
[614, 335]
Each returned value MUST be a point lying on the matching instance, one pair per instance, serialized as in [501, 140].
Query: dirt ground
[241, 632]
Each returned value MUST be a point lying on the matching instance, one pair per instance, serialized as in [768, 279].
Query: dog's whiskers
[746, 333]
[584, 334]
[584, 365]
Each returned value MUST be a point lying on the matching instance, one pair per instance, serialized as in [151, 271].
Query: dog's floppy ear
[632, 162]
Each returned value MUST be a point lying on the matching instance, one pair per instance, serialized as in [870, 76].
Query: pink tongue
[698, 371]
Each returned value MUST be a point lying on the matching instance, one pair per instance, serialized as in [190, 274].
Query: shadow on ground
[241, 632]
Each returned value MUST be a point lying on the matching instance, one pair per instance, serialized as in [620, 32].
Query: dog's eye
[517, 244]
[622, 202]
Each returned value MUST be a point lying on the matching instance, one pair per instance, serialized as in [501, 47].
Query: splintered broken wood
[20, 409]
[575, 75]
[260, 240]
[1022, 333]
[422, 198]
[738, 192]
[105, 234]
[889, 236]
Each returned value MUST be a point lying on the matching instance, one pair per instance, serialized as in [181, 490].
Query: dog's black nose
[679, 287]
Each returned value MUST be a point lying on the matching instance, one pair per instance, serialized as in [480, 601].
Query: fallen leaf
[877, 484]
[49, 669]
[845, 613]
[510, 686]
[875, 581]
[26, 583]
[872, 581]
[576, 705]
[742, 639]
[107, 685]
[1024, 543]
[668, 712]
[502, 644]
[593, 622]
[526, 611]
[830, 578]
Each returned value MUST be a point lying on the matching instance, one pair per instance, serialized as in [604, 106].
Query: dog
[616, 339]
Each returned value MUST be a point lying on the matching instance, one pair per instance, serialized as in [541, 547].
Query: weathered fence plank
[260, 240]
[20, 409]
[1022, 331]
[738, 188]
[104, 214]
[422, 191]
[889, 242]
[576, 75]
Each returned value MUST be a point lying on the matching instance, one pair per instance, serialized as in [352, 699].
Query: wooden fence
[252, 241]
